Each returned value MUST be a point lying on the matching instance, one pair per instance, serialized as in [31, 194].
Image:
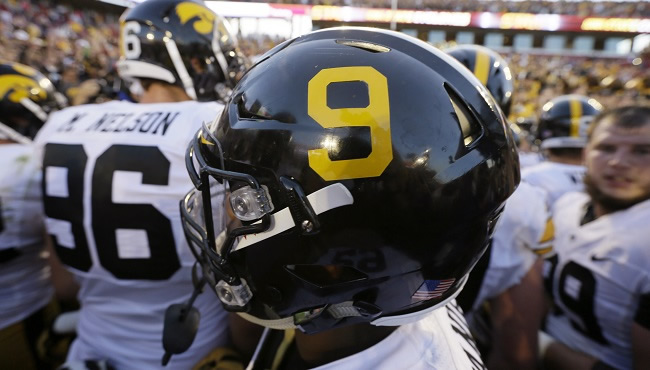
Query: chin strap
[336, 311]
[349, 309]
[279, 324]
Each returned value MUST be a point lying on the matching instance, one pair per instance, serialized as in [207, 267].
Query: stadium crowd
[613, 82]
[77, 49]
[580, 8]
[104, 169]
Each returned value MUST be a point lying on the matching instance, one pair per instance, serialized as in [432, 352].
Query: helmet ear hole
[491, 69]
[467, 122]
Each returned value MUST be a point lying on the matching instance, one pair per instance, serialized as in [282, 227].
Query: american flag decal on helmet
[432, 289]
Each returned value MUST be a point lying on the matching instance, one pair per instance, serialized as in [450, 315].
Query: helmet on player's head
[564, 121]
[490, 68]
[363, 170]
[26, 99]
[183, 43]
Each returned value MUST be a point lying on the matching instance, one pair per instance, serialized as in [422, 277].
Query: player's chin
[624, 197]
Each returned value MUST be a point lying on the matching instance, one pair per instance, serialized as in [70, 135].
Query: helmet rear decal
[188, 11]
[26, 99]
[376, 116]
[16, 88]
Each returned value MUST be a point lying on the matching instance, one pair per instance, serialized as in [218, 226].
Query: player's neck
[159, 93]
[323, 348]
[600, 210]
[565, 160]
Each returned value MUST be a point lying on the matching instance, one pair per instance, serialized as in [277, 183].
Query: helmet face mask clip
[250, 202]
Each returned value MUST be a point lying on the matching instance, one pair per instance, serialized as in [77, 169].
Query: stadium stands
[76, 46]
[581, 8]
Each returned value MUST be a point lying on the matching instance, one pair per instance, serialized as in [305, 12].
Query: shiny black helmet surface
[490, 68]
[362, 169]
[564, 121]
[181, 42]
[26, 99]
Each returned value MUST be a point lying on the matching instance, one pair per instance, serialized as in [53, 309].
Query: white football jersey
[24, 272]
[555, 178]
[441, 340]
[114, 174]
[519, 238]
[599, 279]
[529, 159]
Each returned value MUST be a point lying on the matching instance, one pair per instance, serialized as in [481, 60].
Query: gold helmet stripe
[576, 112]
[482, 66]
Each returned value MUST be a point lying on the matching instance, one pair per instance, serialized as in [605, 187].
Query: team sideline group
[356, 199]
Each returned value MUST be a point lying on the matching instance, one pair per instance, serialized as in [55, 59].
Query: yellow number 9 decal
[376, 116]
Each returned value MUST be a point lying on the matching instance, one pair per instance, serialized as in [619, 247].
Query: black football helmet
[27, 98]
[181, 42]
[564, 121]
[490, 68]
[363, 171]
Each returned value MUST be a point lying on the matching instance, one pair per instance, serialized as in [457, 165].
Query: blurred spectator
[613, 82]
[71, 45]
[579, 8]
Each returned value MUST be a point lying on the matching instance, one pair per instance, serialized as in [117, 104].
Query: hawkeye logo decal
[202, 16]
[15, 88]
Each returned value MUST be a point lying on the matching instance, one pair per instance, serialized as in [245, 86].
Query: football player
[562, 130]
[510, 269]
[364, 171]
[600, 277]
[26, 307]
[504, 293]
[113, 175]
